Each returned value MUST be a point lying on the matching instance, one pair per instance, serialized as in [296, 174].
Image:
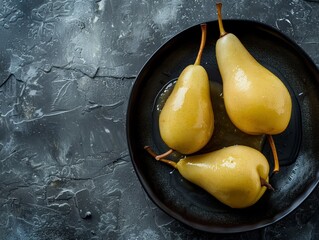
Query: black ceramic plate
[298, 146]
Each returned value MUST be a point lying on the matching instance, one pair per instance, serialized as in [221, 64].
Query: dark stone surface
[66, 69]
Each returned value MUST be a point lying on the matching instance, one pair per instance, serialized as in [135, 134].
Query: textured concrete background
[66, 69]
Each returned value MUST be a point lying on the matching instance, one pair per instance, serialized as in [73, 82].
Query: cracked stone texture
[66, 69]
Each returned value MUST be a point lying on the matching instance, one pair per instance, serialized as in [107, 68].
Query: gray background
[66, 70]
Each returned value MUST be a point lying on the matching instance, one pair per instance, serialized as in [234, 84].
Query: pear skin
[256, 100]
[237, 175]
[186, 122]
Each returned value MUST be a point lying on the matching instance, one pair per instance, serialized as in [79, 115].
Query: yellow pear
[186, 122]
[256, 100]
[237, 175]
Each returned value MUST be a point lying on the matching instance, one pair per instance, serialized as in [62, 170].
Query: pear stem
[163, 155]
[202, 44]
[264, 183]
[220, 21]
[154, 155]
[274, 152]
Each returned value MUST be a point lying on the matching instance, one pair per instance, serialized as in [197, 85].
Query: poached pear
[186, 122]
[237, 175]
[256, 100]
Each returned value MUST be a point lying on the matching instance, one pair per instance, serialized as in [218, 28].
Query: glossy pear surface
[232, 174]
[256, 100]
[186, 122]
